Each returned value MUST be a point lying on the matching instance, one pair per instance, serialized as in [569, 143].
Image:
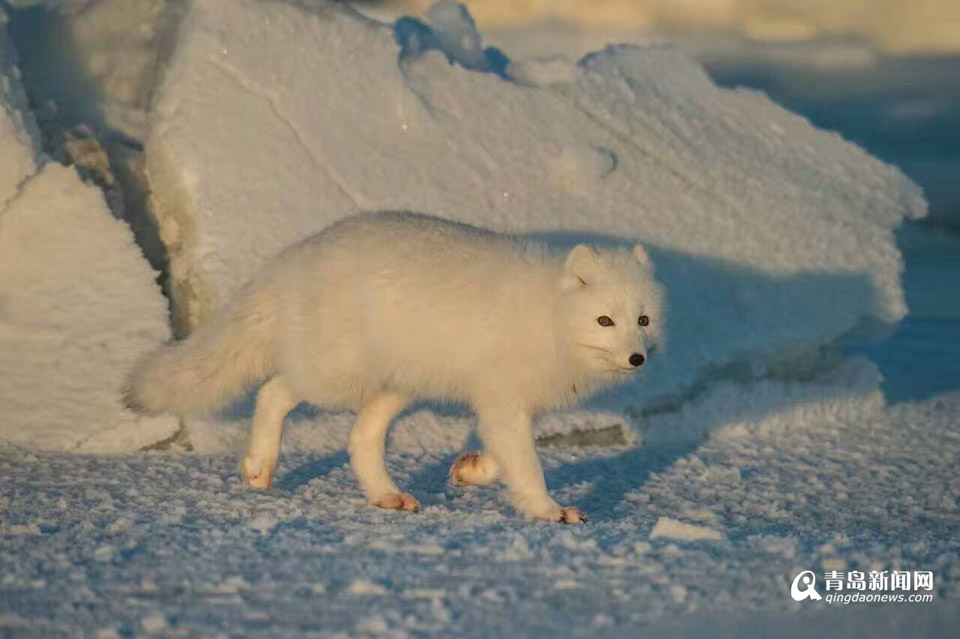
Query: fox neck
[581, 383]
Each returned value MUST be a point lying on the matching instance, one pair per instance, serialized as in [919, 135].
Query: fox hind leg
[474, 468]
[367, 443]
[274, 401]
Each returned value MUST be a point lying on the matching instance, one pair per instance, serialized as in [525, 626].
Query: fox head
[611, 308]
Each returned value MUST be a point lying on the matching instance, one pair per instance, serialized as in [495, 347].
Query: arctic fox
[384, 308]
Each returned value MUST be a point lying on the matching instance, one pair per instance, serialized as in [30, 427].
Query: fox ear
[642, 256]
[580, 266]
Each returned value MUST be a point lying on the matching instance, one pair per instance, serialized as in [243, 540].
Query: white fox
[380, 309]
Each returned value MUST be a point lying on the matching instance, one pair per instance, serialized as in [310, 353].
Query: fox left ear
[580, 265]
[642, 256]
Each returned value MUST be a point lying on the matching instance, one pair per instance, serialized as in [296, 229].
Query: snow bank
[920, 26]
[773, 237]
[19, 139]
[78, 304]
[119, 44]
[90, 68]
[97, 61]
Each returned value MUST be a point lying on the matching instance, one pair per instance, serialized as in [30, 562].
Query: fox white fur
[381, 309]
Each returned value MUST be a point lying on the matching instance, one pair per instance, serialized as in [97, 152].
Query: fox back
[434, 308]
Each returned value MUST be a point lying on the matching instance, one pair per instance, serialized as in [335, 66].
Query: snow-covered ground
[169, 545]
[761, 444]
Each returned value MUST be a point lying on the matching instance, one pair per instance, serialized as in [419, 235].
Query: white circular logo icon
[805, 587]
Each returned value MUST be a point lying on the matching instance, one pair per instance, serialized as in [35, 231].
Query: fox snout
[636, 360]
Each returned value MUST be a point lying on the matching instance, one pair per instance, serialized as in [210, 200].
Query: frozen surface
[772, 237]
[77, 304]
[170, 545]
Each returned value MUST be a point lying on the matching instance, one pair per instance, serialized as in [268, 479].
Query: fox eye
[643, 321]
[603, 320]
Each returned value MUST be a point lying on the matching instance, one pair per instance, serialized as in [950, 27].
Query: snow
[760, 444]
[772, 237]
[19, 137]
[673, 529]
[90, 69]
[79, 304]
[455, 32]
[77, 301]
[878, 493]
[896, 107]
[98, 61]
[118, 45]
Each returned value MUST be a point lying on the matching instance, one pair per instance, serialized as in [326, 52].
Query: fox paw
[258, 473]
[552, 512]
[471, 469]
[572, 516]
[398, 501]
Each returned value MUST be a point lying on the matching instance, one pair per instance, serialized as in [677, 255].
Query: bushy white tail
[221, 360]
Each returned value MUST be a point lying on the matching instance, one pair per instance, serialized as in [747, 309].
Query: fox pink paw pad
[466, 462]
[572, 516]
[398, 501]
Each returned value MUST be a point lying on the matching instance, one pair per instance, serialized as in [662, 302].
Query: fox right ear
[641, 254]
[580, 266]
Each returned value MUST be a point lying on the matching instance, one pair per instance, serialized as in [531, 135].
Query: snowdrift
[97, 60]
[78, 303]
[275, 119]
[19, 138]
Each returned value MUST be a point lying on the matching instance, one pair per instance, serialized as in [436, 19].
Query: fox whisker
[596, 348]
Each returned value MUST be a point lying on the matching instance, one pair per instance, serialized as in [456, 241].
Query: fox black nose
[636, 360]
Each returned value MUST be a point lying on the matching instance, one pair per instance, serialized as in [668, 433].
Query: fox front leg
[508, 437]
